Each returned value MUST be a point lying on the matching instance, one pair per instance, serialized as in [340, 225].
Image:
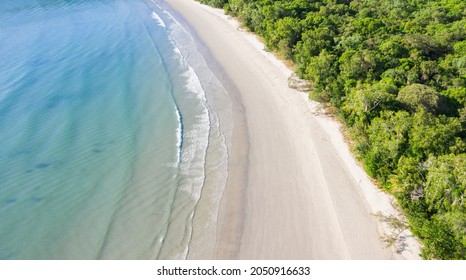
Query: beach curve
[293, 191]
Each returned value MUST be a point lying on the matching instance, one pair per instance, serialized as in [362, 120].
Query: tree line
[395, 71]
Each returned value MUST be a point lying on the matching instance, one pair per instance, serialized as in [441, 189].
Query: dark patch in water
[42, 165]
[97, 150]
[54, 101]
[29, 171]
[11, 200]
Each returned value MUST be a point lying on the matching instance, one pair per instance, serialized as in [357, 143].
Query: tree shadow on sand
[397, 234]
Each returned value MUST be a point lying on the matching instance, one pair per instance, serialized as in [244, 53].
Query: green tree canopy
[418, 97]
[446, 183]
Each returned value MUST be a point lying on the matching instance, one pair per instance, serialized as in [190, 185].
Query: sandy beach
[294, 190]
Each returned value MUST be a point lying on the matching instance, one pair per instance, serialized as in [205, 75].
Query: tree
[358, 65]
[418, 97]
[320, 69]
[365, 101]
[313, 41]
[432, 135]
[283, 35]
[446, 183]
[388, 137]
[408, 181]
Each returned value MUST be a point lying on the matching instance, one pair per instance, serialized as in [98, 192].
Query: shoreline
[282, 199]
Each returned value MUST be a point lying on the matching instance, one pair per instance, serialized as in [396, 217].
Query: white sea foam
[159, 21]
[193, 84]
[199, 125]
[195, 139]
[179, 135]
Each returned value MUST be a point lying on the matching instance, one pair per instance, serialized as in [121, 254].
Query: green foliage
[417, 97]
[446, 183]
[364, 102]
[396, 72]
[440, 241]
[408, 180]
[358, 64]
[431, 135]
[283, 35]
[320, 70]
[456, 93]
[388, 137]
[312, 43]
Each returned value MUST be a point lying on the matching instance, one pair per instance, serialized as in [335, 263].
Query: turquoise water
[105, 128]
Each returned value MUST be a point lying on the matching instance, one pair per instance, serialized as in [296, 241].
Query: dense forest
[395, 71]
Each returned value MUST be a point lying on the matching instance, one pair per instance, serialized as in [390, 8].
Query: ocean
[114, 132]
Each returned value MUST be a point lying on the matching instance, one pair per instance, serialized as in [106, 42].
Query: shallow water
[105, 126]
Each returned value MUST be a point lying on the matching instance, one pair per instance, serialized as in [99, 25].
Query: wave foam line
[190, 143]
[197, 140]
[181, 35]
[200, 130]
[159, 21]
[179, 134]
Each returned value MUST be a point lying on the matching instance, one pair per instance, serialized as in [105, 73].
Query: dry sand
[294, 190]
